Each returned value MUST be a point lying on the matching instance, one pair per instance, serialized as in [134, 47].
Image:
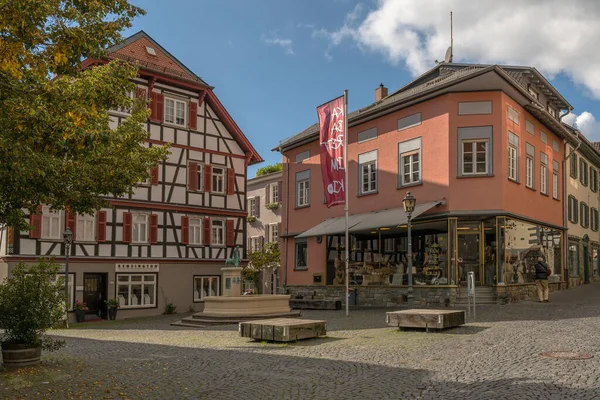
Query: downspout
[286, 212]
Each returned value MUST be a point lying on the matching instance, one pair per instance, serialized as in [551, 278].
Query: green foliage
[268, 255]
[269, 169]
[251, 218]
[170, 308]
[272, 206]
[56, 146]
[112, 303]
[31, 302]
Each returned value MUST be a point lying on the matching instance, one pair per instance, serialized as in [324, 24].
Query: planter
[112, 313]
[80, 315]
[19, 355]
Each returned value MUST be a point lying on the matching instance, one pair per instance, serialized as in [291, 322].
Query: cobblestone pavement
[494, 357]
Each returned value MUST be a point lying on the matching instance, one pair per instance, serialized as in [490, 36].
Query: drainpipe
[286, 213]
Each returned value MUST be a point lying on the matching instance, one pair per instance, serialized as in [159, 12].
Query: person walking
[541, 279]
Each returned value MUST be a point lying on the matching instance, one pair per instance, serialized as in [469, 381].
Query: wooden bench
[427, 319]
[306, 304]
[282, 329]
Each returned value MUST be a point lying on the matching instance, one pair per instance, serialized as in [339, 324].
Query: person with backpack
[542, 271]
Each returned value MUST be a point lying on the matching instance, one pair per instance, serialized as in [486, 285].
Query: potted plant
[31, 302]
[80, 308]
[112, 305]
[272, 206]
[251, 218]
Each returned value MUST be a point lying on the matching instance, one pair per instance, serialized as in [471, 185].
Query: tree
[56, 147]
[269, 169]
[257, 260]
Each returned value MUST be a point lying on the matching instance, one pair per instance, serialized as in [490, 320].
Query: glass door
[469, 259]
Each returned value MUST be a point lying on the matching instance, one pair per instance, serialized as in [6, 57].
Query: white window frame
[135, 223]
[303, 193]
[195, 225]
[52, 219]
[217, 233]
[252, 211]
[255, 243]
[172, 118]
[513, 159]
[273, 233]
[529, 171]
[199, 295]
[125, 110]
[370, 168]
[141, 303]
[218, 180]
[555, 185]
[543, 179]
[475, 142]
[82, 234]
[274, 192]
[410, 155]
[199, 175]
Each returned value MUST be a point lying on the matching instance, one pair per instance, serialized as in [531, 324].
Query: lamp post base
[410, 300]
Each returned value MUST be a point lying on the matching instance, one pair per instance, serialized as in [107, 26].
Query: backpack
[548, 271]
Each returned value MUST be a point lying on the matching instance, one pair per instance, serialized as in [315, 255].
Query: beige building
[582, 207]
[264, 221]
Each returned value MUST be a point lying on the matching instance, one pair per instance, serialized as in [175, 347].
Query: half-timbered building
[166, 242]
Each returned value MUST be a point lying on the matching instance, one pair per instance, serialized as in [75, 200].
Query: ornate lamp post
[409, 203]
[67, 239]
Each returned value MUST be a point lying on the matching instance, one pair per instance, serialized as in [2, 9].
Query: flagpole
[347, 247]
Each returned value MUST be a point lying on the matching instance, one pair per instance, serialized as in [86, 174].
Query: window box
[272, 206]
[251, 218]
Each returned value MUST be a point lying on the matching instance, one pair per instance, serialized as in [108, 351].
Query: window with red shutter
[185, 229]
[154, 175]
[192, 175]
[156, 107]
[206, 232]
[230, 233]
[207, 178]
[71, 222]
[127, 226]
[230, 181]
[153, 228]
[193, 115]
[35, 220]
[140, 93]
[101, 226]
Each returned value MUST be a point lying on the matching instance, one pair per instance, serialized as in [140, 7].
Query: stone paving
[494, 357]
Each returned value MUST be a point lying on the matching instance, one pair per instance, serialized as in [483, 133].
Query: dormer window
[151, 51]
[551, 111]
[533, 93]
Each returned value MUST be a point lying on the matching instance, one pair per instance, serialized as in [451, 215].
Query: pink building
[482, 150]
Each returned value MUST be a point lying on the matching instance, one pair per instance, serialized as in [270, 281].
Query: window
[513, 156]
[475, 156]
[544, 138]
[552, 111]
[218, 176]
[273, 233]
[274, 192]
[367, 135]
[409, 162]
[573, 210]
[367, 166]
[474, 107]
[301, 254]
[555, 185]
[218, 232]
[513, 115]
[555, 145]
[305, 155]
[585, 215]
[51, 226]
[199, 176]
[175, 111]
[150, 50]
[140, 228]
[409, 121]
[529, 127]
[593, 179]
[594, 219]
[85, 231]
[206, 286]
[136, 290]
[126, 110]
[303, 189]
[530, 166]
[573, 259]
[583, 172]
[255, 244]
[252, 207]
[573, 166]
[543, 173]
[195, 226]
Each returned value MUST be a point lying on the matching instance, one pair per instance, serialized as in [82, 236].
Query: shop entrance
[94, 293]
[469, 259]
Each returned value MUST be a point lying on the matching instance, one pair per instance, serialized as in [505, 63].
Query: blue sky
[273, 61]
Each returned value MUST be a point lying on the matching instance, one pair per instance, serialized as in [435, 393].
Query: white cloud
[555, 36]
[586, 123]
[285, 44]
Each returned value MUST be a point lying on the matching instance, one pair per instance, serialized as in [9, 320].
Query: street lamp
[409, 203]
[67, 239]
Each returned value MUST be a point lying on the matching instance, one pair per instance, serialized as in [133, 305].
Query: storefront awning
[367, 221]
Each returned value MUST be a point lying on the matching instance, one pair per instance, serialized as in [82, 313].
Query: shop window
[513, 157]
[205, 286]
[86, 228]
[573, 259]
[301, 254]
[60, 279]
[367, 166]
[136, 290]
[544, 138]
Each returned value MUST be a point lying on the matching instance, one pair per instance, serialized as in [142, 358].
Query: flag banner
[332, 127]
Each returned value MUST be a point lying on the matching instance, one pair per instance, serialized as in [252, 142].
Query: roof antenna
[449, 52]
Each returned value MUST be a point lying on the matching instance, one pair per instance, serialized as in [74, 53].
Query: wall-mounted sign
[136, 267]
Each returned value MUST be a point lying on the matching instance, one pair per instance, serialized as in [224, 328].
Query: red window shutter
[206, 231]
[193, 115]
[156, 107]
[154, 175]
[160, 99]
[192, 176]
[140, 93]
[207, 178]
[185, 230]
[229, 233]
[35, 220]
[153, 228]
[230, 181]
[127, 226]
[71, 222]
[101, 226]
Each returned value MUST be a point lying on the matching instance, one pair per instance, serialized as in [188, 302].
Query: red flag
[332, 122]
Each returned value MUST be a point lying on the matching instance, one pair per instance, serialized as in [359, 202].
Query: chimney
[380, 93]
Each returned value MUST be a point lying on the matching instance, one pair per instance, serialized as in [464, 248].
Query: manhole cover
[566, 355]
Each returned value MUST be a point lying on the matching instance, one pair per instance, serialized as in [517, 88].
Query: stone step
[186, 325]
